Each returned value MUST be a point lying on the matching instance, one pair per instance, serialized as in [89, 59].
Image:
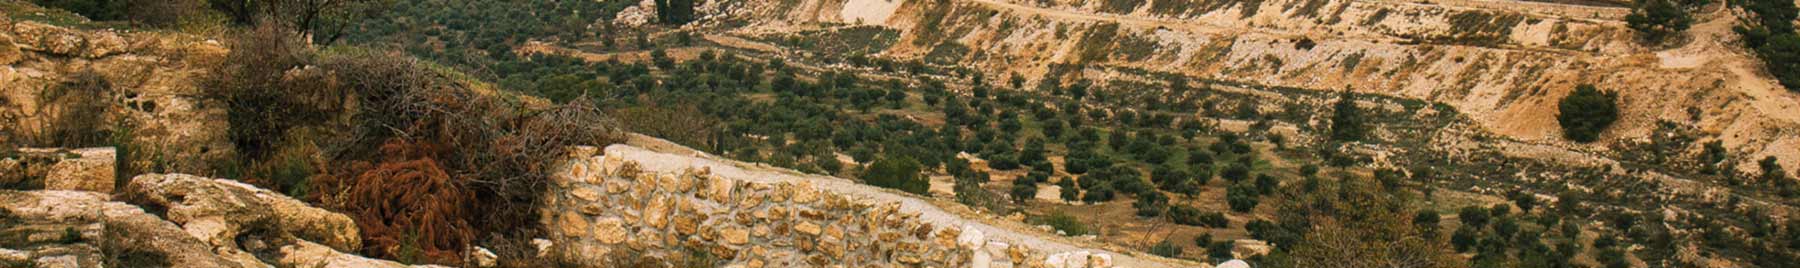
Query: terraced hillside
[1503, 63]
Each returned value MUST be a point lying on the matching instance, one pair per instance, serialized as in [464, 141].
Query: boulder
[40, 37]
[219, 210]
[314, 255]
[119, 230]
[1244, 248]
[103, 43]
[89, 169]
[9, 53]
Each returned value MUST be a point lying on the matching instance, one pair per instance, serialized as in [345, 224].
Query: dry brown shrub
[497, 151]
[408, 207]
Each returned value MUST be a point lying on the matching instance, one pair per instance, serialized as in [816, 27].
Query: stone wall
[606, 211]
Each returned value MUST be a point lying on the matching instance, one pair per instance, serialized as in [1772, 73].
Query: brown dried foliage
[495, 151]
[404, 204]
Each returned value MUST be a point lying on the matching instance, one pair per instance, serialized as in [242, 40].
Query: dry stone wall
[608, 210]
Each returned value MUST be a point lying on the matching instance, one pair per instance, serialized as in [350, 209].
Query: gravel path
[666, 158]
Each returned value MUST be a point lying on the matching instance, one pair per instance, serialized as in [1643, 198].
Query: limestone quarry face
[1504, 64]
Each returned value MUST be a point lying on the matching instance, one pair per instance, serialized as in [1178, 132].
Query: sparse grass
[1069, 225]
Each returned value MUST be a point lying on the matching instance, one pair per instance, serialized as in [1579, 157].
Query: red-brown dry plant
[407, 206]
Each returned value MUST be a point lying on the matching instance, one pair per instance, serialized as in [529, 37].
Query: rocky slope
[652, 198]
[172, 220]
[1503, 63]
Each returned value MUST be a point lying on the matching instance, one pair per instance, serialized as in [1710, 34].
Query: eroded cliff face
[1504, 64]
[56, 80]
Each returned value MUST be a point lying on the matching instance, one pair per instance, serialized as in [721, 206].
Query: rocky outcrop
[190, 222]
[84, 229]
[88, 169]
[147, 84]
[219, 210]
[611, 209]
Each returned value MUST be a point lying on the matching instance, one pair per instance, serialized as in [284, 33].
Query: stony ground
[656, 155]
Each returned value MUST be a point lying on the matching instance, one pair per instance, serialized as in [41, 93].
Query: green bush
[1656, 20]
[1166, 248]
[1586, 112]
[1241, 198]
[1060, 221]
[1220, 250]
[898, 172]
[1347, 120]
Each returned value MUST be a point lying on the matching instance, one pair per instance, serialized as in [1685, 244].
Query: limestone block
[193, 199]
[1100, 260]
[656, 214]
[90, 169]
[808, 228]
[127, 225]
[574, 224]
[482, 258]
[971, 238]
[610, 230]
[40, 37]
[103, 43]
[735, 236]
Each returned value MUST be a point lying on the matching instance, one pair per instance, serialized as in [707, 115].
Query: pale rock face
[221, 208]
[9, 53]
[971, 238]
[92, 171]
[642, 13]
[1244, 248]
[309, 254]
[1233, 264]
[1100, 261]
[129, 226]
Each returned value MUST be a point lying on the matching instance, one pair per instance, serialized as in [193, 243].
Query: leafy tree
[1199, 157]
[1266, 184]
[1347, 120]
[674, 12]
[898, 172]
[1069, 192]
[1465, 237]
[1235, 173]
[1781, 55]
[1657, 20]
[1150, 205]
[1241, 198]
[1586, 112]
[1775, 176]
[1473, 216]
[1220, 250]
[1350, 222]
[1099, 193]
[1023, 191]
[1426, 220]
[1525, 201]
